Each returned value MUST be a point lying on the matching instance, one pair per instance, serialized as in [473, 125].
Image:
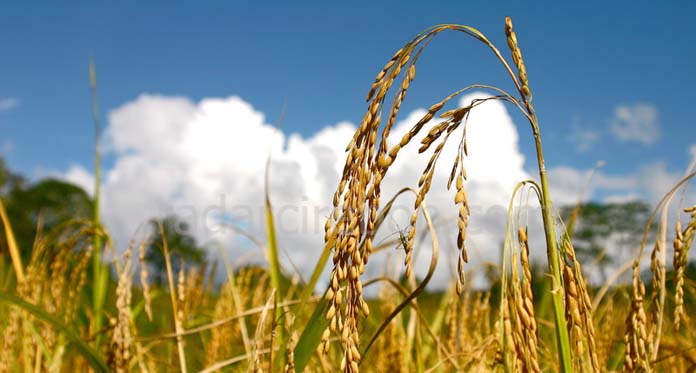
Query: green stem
[99, 273]
[274, 264]
[562, 337]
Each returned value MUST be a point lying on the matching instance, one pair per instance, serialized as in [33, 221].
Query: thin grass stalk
[237, 303]
[12, 244]
[172, 293]
[419, 288]
[414, 306]
[275, 272]
[92, 357]
[99, 270]
[221, 364]
[254, 362]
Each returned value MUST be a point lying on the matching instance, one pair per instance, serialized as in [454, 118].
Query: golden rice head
[582, 301]
[517, 59]
[147, 297]
[636, 336]
[682, 243]
[121, 340]
[525, 306]
[462, 203]
[351, 227]
[224, 337]
[358, 190]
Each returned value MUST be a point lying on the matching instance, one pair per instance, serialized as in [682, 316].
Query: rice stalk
[255, 364]
[292, 341]
[100, 272]
[357, 198]
[147, 297]
[12, 244]
[178, 327]
[643, 343]
[91, 356]
[418, 289]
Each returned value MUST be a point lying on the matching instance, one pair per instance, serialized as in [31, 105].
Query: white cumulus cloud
[205, 162]
[79, 176]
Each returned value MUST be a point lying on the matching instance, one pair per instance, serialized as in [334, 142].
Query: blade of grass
[236, 300]
[260, 332]
[12, 244]
[437, 322]
[274, 264]
[37, 337]
[85, 350]
[311, 335]
[99, 271]
[172, 293]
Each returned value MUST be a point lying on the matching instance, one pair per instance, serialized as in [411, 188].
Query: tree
[9, 180]
[181, 244]
[55, 201]
[602, 225]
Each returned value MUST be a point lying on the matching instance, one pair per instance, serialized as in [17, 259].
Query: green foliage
[182, 247]
[598, 222]
[54, 201]
[90, 355]
[8, 179]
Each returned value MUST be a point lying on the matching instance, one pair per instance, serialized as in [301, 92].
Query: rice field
[66, 308]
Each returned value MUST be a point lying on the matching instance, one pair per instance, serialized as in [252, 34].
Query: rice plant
[62, 311]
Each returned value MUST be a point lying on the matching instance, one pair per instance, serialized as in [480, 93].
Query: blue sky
[188, 92]
[583, 60]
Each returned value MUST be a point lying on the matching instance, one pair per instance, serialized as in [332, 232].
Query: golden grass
[682, 243]
[524, 321]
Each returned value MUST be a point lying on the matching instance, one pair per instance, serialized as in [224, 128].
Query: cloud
[638, 122]
[658, 180]
[77, 175]
[8, 103]
[567, 182]
[205, 162]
